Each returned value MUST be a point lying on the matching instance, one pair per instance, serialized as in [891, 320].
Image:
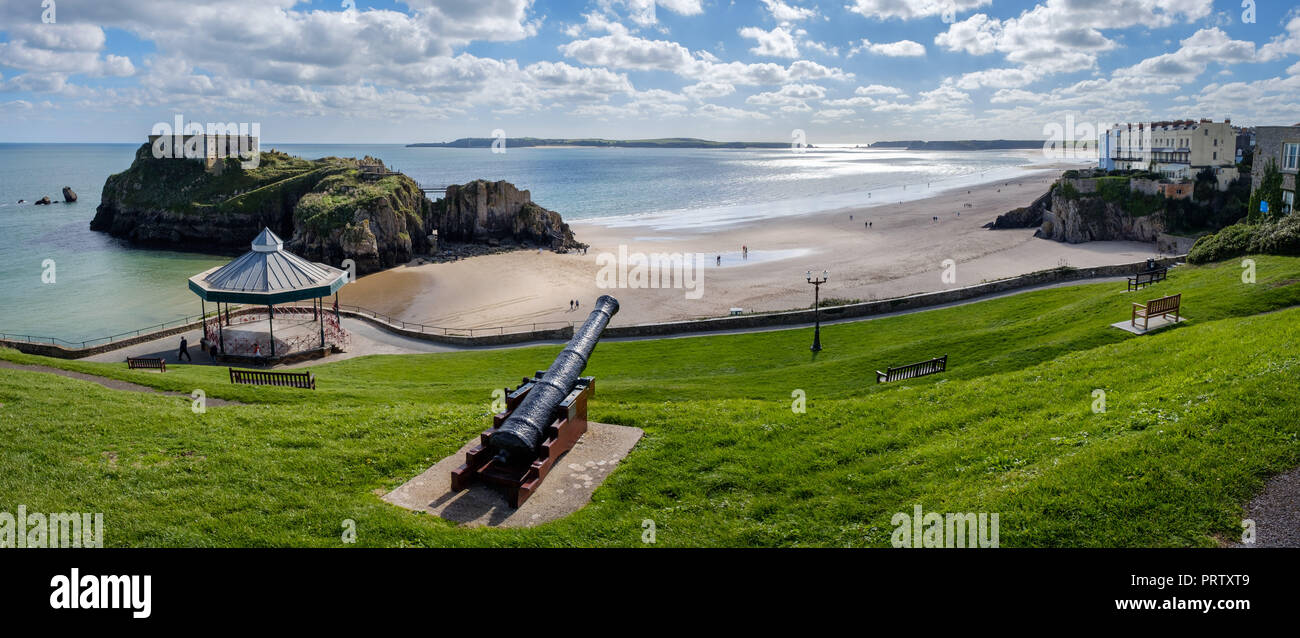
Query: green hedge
[1280, 237]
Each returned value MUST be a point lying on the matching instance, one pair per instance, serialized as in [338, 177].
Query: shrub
[1233, 241]
[1281, 237]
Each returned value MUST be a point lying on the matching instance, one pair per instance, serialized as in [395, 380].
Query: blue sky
[846, 71]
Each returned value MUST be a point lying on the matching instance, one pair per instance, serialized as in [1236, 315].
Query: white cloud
[909, 9]
[785, 13]
[777, 43]
[1283, 45]
[683, 7]
[1189, 61]
[902, 48]
[623, 51]
[708, 90]
[62, 49]
[1058, 36]
[790, 95]
[715, 111]
[879, 89]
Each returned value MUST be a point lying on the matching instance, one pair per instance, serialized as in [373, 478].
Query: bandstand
[272, 278]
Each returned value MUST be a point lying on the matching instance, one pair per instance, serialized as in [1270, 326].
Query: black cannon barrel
[518, 439]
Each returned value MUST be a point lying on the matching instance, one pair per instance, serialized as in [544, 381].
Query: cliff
[1095, 219]
[1025, 217]
[1102, 211]
[486, 212]
[328, 209]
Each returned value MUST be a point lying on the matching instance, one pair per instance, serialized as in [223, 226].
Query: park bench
[304, 380]
[913, 370]
[133, 363]
[1146, 278]
[1161, 307]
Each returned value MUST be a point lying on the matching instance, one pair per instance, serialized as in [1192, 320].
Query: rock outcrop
[1084, 219]
[1026, 217]
[328, 210]
[44, 201]
[491, 212]
[69, 195]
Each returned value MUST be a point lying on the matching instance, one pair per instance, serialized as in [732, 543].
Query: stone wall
[742, 322]
[1167, 244]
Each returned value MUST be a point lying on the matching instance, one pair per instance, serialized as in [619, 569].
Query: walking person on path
[185, 351]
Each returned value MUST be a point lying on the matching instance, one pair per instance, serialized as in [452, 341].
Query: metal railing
[422, 328]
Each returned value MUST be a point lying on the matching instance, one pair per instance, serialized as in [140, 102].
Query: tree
[1270, 190]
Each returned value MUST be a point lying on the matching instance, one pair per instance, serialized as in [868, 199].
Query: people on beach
[719, 260]
[185, 351]
[744, 252]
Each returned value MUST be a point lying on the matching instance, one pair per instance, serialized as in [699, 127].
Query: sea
[60, 281]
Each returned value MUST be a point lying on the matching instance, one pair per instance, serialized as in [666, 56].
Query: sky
[841, 71]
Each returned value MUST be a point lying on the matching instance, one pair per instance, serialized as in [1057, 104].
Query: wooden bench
[304, 380]
[1146, 278]
[1161, 307]
[913, 370]
[152, 363]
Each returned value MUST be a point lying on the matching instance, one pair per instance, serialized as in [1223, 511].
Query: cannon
[545, 416]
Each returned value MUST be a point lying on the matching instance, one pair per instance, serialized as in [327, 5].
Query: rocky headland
[328, 210]
[1079, 210]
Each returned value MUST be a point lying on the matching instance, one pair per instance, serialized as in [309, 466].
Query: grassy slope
[1197, 416]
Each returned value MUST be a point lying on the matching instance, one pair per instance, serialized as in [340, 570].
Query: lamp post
[817, 318]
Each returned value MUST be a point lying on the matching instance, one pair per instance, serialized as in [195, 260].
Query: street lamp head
[826, 274]
[809, 275]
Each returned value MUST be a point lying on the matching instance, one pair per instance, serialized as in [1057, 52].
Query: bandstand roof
[267, 274]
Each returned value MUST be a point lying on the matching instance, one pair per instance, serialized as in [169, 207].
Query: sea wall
[741, 322]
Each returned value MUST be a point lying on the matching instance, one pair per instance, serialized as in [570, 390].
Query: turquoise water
[102, 286]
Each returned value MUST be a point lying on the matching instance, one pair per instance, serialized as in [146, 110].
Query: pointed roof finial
[267, 242]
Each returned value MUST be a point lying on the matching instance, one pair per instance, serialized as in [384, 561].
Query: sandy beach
[903, 252]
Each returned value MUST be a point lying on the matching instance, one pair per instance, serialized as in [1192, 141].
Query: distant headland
[665, 142]
[960, 145]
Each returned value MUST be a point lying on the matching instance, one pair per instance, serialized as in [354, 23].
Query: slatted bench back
[304, 380]
[913, 370]
[145, 362]
[1163, 305]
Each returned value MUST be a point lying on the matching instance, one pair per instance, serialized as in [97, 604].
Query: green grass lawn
[1197, 417]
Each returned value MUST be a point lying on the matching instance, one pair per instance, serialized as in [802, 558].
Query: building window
[1288, 201]
[1290, 156]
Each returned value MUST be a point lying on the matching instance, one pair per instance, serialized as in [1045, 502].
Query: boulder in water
[69, 195]
[44, 200]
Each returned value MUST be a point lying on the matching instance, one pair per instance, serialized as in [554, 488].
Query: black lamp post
[817, 317]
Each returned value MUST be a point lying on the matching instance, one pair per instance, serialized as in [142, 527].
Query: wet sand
[902, 253]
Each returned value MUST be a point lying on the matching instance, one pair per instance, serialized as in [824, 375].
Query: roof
[268, 274]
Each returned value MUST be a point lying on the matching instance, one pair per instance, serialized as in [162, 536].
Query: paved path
[1276, 512]
[368, 339]
[112, 384]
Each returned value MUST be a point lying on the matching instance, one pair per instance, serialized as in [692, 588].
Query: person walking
[185, 351]
[719, 260]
